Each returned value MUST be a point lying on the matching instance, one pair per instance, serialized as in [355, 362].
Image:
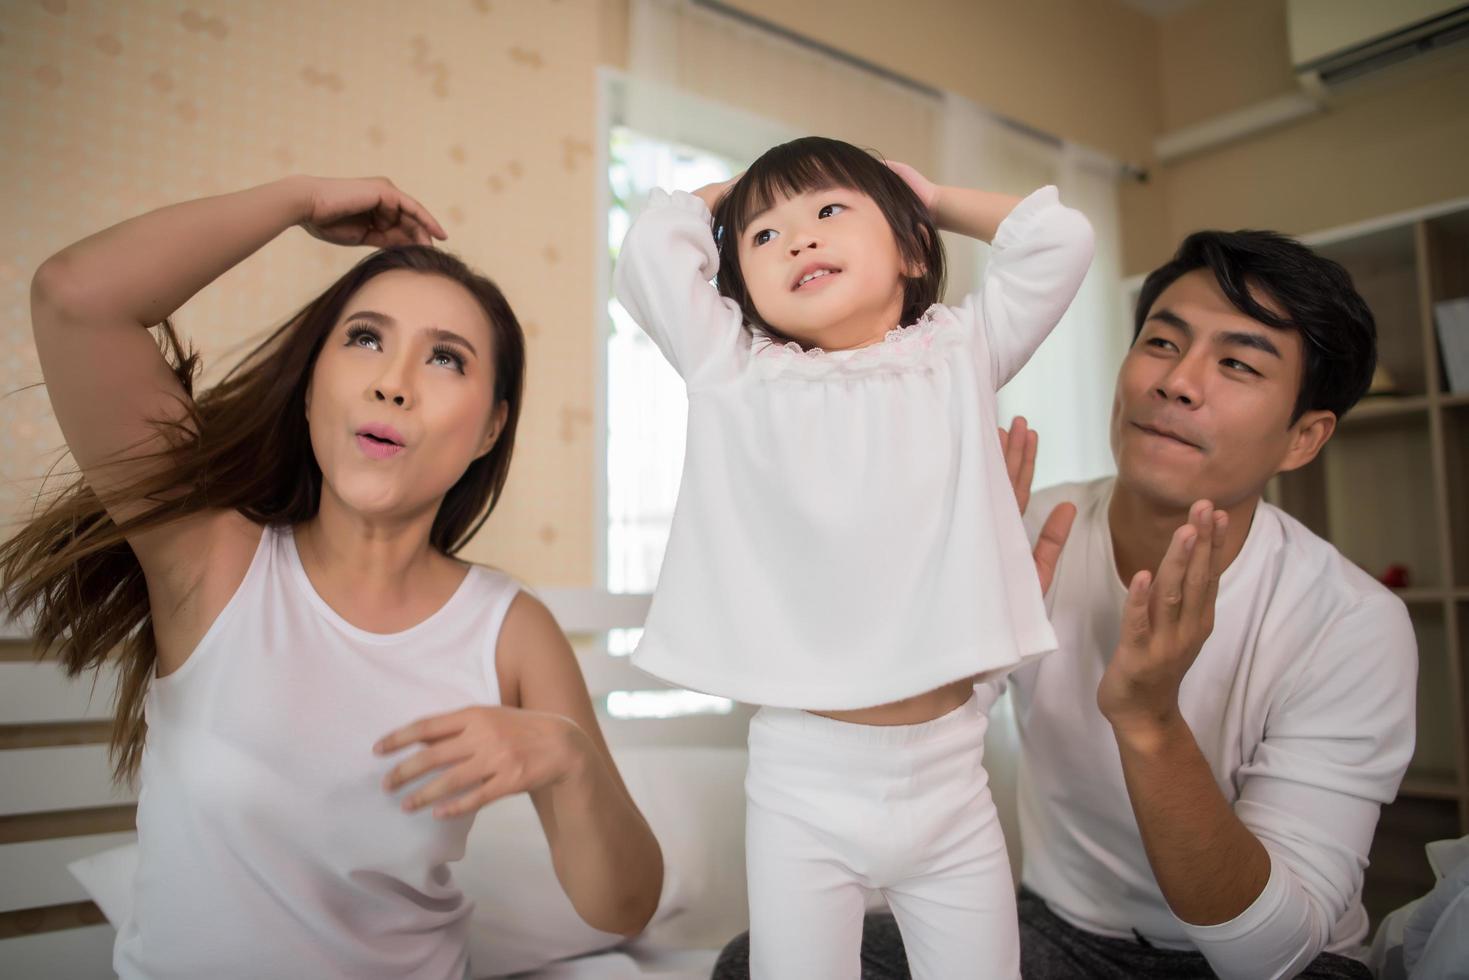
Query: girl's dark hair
[243, 445]
[816, 163]
[1317, 295]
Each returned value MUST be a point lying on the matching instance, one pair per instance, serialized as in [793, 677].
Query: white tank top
[267, 846]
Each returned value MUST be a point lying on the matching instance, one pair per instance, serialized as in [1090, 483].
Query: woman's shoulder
[530, 645]
[494, 590]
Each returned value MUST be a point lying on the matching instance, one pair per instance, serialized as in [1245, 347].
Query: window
[647, 412]
[647, 409]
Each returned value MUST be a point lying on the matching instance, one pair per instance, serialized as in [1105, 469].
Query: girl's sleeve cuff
[1019, 221]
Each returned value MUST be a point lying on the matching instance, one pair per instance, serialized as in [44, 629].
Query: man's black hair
[1315, 294]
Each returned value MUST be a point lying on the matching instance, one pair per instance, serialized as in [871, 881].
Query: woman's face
[401, 399]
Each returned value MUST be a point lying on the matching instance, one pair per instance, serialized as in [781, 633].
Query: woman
[274, 562]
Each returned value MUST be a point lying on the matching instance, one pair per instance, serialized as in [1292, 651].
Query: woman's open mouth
[379, 441]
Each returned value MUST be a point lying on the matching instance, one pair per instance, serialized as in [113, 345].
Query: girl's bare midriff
[910, 711]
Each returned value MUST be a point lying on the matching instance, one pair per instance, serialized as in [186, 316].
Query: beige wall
[485, 111]
[1102, 74]
[1217, 57]
[1390, 146]
[1081, 69]
[1391, 143]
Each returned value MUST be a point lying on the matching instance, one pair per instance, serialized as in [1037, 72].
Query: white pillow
[693, 798]
[108, 879]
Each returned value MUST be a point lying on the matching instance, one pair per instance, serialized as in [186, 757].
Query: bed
[67, 854]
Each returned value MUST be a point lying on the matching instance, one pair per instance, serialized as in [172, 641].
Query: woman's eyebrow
[439, 333]
[381, 319]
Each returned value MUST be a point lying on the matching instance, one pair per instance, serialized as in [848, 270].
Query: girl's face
[401, 399]
[823, 268]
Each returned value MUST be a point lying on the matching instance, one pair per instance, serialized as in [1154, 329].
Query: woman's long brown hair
[244, 446]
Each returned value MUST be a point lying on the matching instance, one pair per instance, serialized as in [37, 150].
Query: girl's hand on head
[711, 193]
[366, 211]
[927, 190]
[485, 753]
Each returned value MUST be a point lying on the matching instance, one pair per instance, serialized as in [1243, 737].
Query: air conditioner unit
[1336, 41]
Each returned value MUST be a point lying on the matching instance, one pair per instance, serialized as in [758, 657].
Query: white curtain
[1065, 391]
[715, 82]
[658, 98]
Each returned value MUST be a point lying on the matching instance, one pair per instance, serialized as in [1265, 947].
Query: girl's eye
[762, 236]
[364, 337]
[831, 209]
[447, 357]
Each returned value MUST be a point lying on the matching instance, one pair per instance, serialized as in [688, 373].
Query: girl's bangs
[787, 171]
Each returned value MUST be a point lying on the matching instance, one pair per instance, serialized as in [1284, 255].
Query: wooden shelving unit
[1392, 485]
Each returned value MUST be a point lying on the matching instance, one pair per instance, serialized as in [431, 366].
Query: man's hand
[1165, 621]
[1018, 446]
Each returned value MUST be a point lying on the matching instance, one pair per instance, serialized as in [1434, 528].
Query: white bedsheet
[632, 963]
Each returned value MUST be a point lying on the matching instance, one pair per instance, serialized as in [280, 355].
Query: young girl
[846, 551]
[275, 561]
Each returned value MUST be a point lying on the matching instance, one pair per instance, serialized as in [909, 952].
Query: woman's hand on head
[366, 211]
[482, 754]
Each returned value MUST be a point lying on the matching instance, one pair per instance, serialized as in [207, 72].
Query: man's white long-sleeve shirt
[1302, 701]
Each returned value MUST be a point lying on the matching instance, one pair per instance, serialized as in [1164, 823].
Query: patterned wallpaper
[483, 109]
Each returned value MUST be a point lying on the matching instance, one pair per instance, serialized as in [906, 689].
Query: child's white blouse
[845, 533]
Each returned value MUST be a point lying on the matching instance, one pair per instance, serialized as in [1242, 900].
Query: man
[1205, 755]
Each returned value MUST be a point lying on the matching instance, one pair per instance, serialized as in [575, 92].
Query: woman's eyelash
[357, 332]
[452, 354]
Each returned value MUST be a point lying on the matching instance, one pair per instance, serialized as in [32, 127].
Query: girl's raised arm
[1042, 251]
[662, 279]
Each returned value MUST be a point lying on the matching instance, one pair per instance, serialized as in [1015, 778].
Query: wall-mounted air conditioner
[1333, 42]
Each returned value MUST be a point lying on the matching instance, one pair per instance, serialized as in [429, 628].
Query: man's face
[1204, 400]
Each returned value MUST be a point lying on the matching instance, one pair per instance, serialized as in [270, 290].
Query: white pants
[835, 809]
